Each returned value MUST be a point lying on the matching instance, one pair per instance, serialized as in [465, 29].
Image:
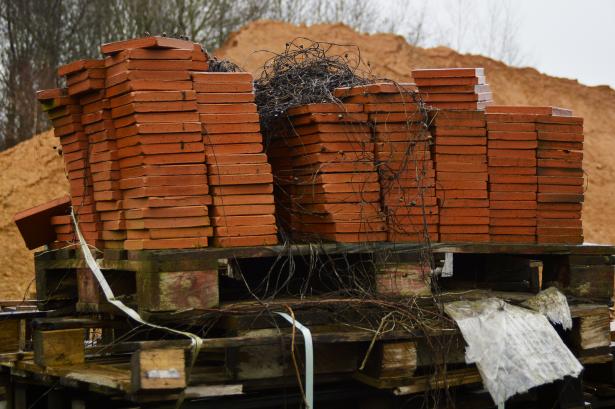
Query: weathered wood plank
[59, 347]
[155, 369]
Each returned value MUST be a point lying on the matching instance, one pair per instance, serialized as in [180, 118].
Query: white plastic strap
[196, 341]
[309, 359]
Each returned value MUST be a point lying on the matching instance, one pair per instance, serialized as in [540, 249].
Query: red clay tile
[34, 223]
[147, 42]
[79, 65]
[519, 109]
[451, 81]
[245, 241]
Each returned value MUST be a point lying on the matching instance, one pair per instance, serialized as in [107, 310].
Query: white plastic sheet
[552, 304]
[514, 348]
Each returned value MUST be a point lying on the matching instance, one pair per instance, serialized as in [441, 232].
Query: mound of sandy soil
[32, 172]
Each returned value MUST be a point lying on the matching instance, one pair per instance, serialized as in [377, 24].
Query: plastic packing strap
[514, 348]
[309, 359]
[196, 342]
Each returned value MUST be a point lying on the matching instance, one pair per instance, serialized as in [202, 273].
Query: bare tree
[37, 36]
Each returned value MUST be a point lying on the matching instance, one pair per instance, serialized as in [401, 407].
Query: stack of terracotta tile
[86, 81]
[335, 194]
[512, 174]
[63, 228]
[281, 162]
[65, 114]
[403, 158]
[159, 149]
[243, 211]
[453, 88]
[560, 177]
[461, 175]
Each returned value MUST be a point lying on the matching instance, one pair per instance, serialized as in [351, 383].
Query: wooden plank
[179, 290]
[59, 347]
[92, 376]
[592, 330]
[156, 369]
[591, 281]
[10, 335]
[422, 383]
[392, 359]
[402, 279]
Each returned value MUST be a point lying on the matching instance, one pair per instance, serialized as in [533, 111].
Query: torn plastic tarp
[552, 304]
[514, 348]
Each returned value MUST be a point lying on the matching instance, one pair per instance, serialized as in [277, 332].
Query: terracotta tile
[268, 240]
[160, 65]
[79, 65]
[242, 210]
[512, 187]
[152, 139]
[186, 190]
[560, 198]
[46, 94]
[459, 237]
[249, 220]
[461, 141]
[152, 96]
[162, 244]
[325, 108]
[259, 189]
[154, 42]
[507, 238]
[172, 180]
[513, 204]
[519, 109]
[243, 179]
[464, 229]
[409, 109]
[150, 107]
[163, 159]
[504, 144]
[239, 108]
[166, 201]
[454, 97]
[451, 81]
[509, 117]
[577, 146]
[575, 223]
[233, 138]
[447, 72]
[511, 153]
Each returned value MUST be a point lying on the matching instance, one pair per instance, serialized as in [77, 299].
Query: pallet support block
[392, 360]
[10, 335]
[155, 369]
[591, 277]
[179, 290]
[591, 334]
[402, 279]
[59, 347]
[88, 288]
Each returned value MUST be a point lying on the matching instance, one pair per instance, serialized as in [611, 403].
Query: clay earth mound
[32, 172]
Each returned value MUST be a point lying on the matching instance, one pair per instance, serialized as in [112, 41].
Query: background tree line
[37, 36]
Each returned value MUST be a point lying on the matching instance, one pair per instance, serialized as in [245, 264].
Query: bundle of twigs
[306, 72]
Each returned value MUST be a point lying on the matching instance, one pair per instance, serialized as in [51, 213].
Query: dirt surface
[32, 172]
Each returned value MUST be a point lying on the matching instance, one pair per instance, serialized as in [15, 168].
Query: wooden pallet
[249, 357]
[197, 279]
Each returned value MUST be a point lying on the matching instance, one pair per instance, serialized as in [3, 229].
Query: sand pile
[32, 173]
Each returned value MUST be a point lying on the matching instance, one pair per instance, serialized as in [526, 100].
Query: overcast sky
[565, 38]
